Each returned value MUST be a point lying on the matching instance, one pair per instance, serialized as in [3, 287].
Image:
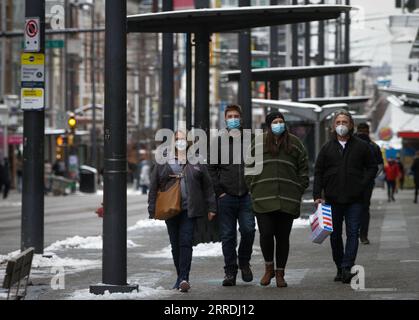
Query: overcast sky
[371, 44]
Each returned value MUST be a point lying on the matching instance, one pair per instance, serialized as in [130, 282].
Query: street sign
[54, 44]
[32, 98]
[32, 70]
[32, 35]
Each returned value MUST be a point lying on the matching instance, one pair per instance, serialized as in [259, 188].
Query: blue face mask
[278, 128]
[233, 123]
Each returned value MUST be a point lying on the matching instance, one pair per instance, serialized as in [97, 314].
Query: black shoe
[184, 286]
[347, 275]
[247, 274]
[338, 277]
[229, 280]
[364, 240]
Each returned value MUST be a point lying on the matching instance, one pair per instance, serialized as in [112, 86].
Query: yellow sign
[32, 59]
[32, 93]
[32, 98]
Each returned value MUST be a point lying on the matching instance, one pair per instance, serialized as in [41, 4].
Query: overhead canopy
[329, 100]
[291, 73]
[401, 91]
[230, 19]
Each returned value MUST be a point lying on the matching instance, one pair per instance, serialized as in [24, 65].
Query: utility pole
[3, 49]
[274, 89]
[93, 81]
[32, 233]
[307, 52]
[294, 30]
[114, 263]
[347, 51]
[245, 62]
[168, 99]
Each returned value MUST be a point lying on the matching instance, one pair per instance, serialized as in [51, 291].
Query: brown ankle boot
[280, 281]
[269, 274]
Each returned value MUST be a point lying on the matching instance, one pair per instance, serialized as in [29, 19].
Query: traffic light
[72, 123]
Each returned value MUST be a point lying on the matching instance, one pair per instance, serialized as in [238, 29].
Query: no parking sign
[32, 35]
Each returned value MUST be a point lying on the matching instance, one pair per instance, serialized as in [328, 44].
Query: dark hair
[271, 138]
[363, 126]
[233, 107]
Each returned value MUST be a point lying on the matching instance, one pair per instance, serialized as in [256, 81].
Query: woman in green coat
[276, 193]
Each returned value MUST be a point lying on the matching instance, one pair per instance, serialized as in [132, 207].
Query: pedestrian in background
[234, 203]
[343, 173]
[415, 172]
[276, 194]
[363, 132]
[5, 178]
[392, 172]
[198, 200]
[144, 178]
[401, 173]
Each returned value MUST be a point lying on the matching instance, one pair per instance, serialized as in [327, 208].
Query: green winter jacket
[283, 179]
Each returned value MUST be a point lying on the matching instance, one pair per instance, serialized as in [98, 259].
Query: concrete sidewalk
[390, 263]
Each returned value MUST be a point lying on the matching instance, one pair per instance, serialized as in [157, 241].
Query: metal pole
[32, 233]
[347, 48]
[294, 30]
[316, 138]
[167, 75]
[274, 89]
[92, 73]
[245, 62]
[307, 48]
[202, 75]
[114, 273]
[188, 81]
[3, 49]
[320, 60]
[337, 55]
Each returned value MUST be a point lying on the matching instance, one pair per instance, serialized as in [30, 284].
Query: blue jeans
[232, 209]
[351, 213]
[180, 229]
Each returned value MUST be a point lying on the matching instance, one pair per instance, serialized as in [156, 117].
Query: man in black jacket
[343, 172]
[415, 172]
[234, 203]
[363, 132]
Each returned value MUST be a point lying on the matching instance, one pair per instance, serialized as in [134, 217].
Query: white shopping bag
[321, 223]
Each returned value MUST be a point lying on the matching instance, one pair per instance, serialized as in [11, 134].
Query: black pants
[365, 217]
[275, 225]
[416, 192]
[391, 187]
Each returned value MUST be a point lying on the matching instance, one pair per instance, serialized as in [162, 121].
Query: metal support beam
[32, 233]
[274, 89]
[114, 273]
[320, 58]
[188, 81]
[202, 75]
[347, 49]
[168, 99]
[307, 53]
[245, 62]
[294, 30]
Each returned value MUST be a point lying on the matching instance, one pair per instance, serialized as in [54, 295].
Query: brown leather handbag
[169, 202]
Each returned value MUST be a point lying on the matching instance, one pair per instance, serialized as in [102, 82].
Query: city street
[390, 262]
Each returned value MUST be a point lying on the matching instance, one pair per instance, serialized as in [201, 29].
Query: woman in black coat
[198, 199]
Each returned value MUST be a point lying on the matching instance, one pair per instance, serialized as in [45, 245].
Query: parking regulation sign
[32, 35]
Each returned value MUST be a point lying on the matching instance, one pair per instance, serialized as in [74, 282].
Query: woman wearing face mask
[198, 200]
[276, 194]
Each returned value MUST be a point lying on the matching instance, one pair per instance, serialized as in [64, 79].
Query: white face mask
[181, 144]
[342, 130]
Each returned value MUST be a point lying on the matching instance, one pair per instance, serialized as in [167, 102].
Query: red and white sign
[183, 4]
[32, 35]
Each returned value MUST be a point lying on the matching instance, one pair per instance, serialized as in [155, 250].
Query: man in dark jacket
[415, 172]
[363, 132]
[344, 170]
[234, 203]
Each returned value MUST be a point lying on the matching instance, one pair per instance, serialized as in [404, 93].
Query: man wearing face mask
[234, 204]
[343, 173]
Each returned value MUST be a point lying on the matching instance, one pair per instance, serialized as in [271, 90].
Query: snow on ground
[78, 242]
[147, 223]
[143, 293]
[212, 249]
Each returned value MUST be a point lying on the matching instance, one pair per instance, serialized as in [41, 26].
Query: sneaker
[184, 286]
[364, 240]
[247, 274]
[229, 280]
[347, 275]
[338, 277]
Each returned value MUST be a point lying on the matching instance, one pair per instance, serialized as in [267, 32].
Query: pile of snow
[78, 242]
[147, 223]
[143, 293]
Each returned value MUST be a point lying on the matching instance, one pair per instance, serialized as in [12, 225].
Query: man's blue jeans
[233, 209]
[180, 229]
[351, 214]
